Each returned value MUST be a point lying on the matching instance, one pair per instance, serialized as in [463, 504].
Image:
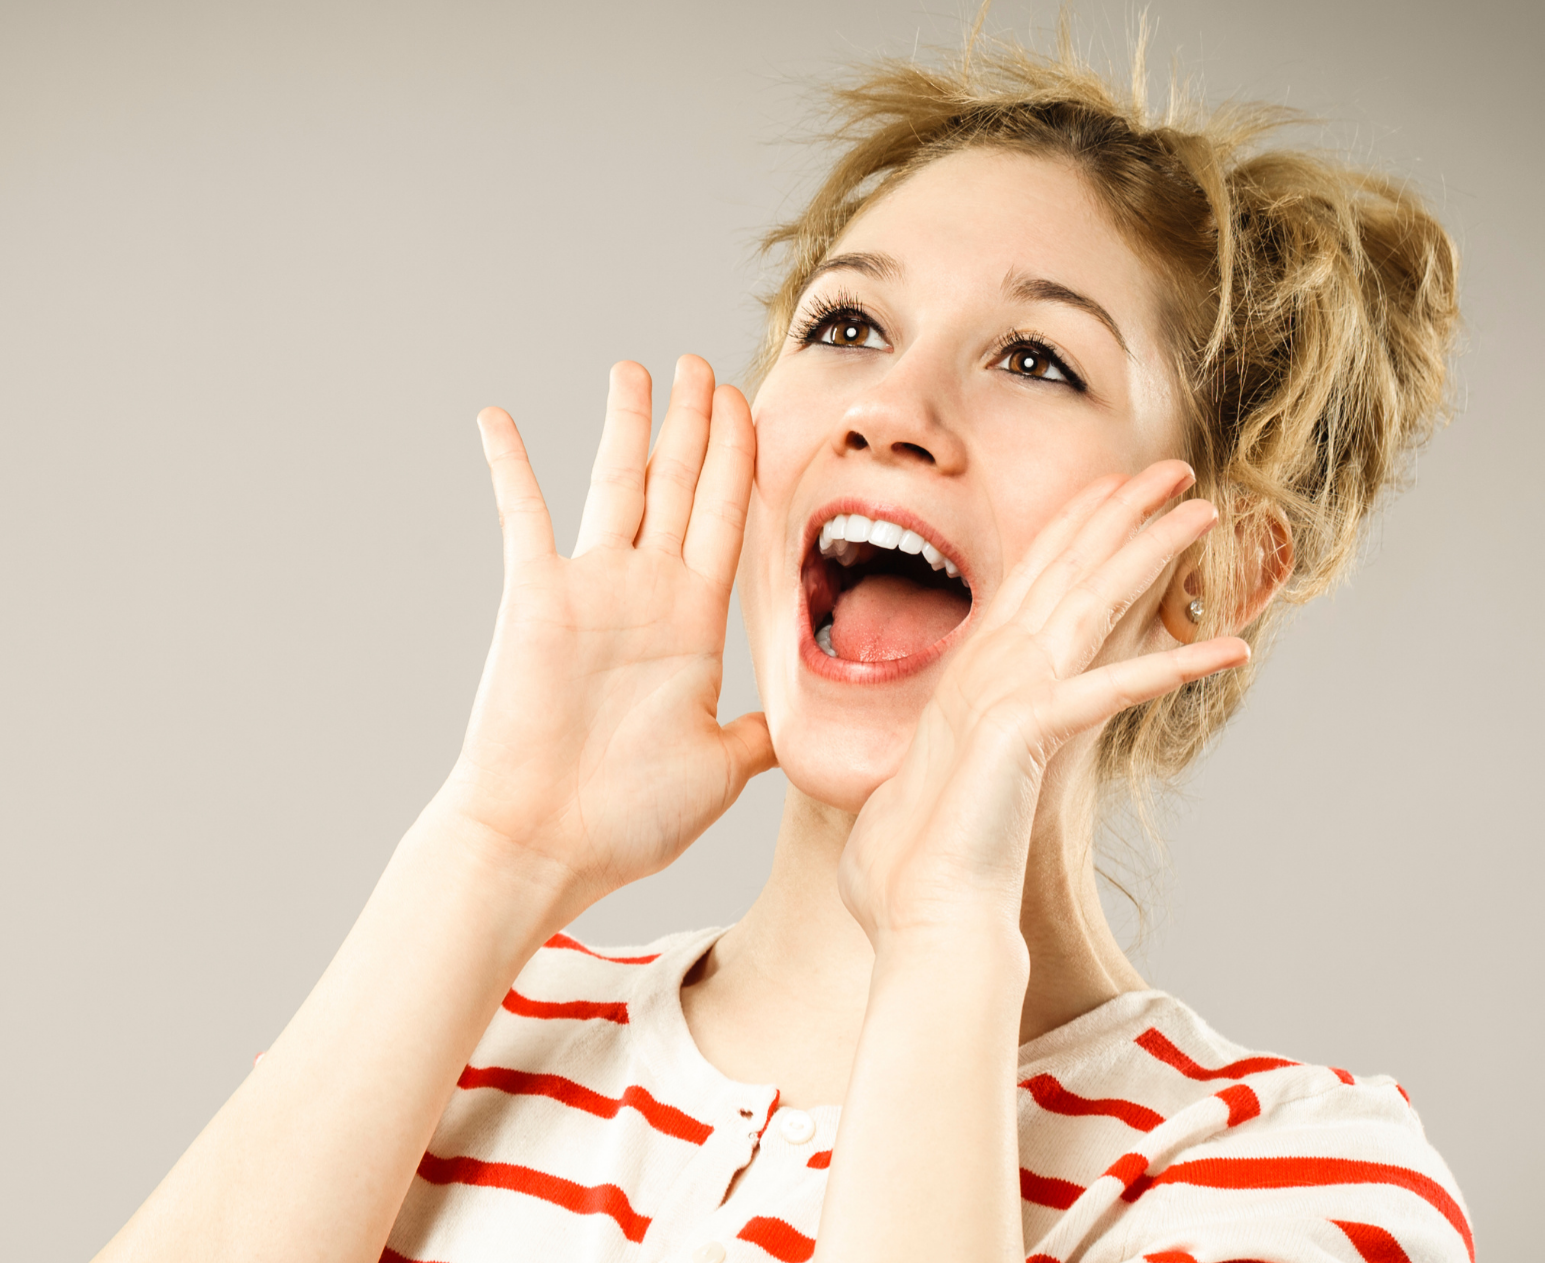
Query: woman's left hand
[943, 844]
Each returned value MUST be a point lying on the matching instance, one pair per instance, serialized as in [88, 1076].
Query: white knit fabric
[589, 1129]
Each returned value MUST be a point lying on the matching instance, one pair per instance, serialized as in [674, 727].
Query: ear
[1265, 551]
[1175, 609]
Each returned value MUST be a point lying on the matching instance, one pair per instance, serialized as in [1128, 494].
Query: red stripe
[1042, 1258]
[820, 1161]
[1045, 1190]
[1128, 1168]
[779, 1239]
[1373, 1243]
[1405, 1094]
[574, 945]
[390, 1255]
[1344, 1075]
[663, 1118]
[603, 1199]
[1180, 1256]
[1056, 1099]
[1313, 1173]
[580, 1010]
[1243, 1104]
[1153, 1043]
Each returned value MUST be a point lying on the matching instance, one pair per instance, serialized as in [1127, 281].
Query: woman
[1057, 408]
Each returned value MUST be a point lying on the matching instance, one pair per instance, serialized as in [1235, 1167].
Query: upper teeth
[841, 535]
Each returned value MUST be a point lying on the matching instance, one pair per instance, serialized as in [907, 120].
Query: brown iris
[850, 332]
[1028, 362]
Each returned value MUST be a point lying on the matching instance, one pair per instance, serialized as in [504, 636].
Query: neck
[807, 963]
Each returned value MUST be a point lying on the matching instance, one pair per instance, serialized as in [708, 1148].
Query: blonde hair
[1312, 308]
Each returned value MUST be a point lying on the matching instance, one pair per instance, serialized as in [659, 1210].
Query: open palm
[594, 740]
[945, 841]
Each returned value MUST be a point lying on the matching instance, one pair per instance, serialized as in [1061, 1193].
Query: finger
[523, 516]
[1111, 525]
[677, 459]
[1076, 705]
[718, 522]
[1049, 544]
[749, 746]
[1090, 610]
[615, 502]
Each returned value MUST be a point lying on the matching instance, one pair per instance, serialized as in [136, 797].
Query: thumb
[748, 745]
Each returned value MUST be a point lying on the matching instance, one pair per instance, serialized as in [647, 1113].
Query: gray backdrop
[261, 265]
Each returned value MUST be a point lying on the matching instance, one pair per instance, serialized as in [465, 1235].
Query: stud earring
[1195, 610]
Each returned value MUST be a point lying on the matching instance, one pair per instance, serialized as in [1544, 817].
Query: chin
[837, 761]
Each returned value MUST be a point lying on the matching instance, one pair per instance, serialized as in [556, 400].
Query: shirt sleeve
[1342, 1176]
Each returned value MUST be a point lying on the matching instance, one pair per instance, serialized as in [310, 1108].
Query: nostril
[912, 449]
[856, 442]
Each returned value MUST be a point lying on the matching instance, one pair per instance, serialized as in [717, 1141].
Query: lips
[883, 594]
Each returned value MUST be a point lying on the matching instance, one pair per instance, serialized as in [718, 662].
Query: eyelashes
[1030, 355]
[839, 320]
[826, 311]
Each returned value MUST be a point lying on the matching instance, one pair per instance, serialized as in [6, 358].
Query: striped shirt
[589, 1129]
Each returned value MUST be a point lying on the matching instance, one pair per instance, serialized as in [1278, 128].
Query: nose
[901, 420]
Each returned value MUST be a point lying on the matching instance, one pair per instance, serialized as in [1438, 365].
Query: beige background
[260, 264]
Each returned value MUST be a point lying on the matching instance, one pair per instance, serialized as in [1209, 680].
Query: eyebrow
[1037, 289]
[1016, 285]
[878, 267]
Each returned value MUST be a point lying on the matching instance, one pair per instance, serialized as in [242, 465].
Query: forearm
[926, 1160]
[312, 1155]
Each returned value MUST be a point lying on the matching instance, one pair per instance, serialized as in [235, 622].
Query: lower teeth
[824, 639]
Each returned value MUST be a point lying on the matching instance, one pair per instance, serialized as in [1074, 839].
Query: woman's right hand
[594, 746]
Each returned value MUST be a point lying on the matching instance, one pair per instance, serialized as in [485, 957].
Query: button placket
[690, 1213]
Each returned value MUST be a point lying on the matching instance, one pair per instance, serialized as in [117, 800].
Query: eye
[838, 320]
[849, 329]
[1033, 359]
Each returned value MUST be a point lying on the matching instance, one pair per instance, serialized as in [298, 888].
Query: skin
[986, 458]
[932, 901]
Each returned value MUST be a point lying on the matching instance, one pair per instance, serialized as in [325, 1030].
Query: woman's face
[978, 346]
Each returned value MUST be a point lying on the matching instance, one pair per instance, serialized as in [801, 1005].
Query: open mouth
[879, 591]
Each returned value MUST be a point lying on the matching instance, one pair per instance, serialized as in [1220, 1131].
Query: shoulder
[586, 1097]
[573, 996]
[564, 958]
[1182, 1135]
[567, 978]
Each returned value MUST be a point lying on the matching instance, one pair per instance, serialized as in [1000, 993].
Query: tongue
[885, 617]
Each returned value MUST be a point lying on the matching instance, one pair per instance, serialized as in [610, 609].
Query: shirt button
[708, 1252]
[795, 1126]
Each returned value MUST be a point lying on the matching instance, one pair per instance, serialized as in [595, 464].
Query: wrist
[521, 890]
[981, 955]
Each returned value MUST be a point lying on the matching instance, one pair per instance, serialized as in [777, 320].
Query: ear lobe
[1175, 608]
[1265, 551]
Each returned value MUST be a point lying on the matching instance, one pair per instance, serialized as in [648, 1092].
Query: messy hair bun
[1311, 308]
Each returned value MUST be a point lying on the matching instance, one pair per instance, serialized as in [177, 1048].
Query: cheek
[782, 456]
[789, 432]
[1028, 486]
[757, 568]
[787, 443]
